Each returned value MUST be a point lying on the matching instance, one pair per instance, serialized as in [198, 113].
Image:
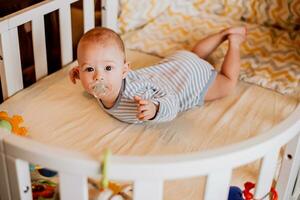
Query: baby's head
[101, 56]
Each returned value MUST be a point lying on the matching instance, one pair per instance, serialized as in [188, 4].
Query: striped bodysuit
[176, 83]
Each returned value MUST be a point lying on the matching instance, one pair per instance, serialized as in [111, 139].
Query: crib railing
[11, 72]
[147, 173]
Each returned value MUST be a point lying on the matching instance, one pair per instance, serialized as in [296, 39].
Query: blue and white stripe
[176, 83]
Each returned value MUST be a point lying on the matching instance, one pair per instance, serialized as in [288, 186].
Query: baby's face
[101, 62]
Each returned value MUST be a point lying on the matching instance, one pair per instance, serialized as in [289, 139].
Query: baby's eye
[108, 68]
[89, 69]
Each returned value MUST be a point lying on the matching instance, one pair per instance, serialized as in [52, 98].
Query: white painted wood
[88, 15]
[54, 158]
[289, 168]
[65, 34]
[4, 184]
[3, 25]
[10, 71]
[72, 186]
[19, 178]
[217, 185]
[39, 47]
[296, 192]
[148, 189]
[267, 171]
[27, 14]
[109, 12]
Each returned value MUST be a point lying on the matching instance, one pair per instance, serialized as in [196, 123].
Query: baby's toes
[238, 30]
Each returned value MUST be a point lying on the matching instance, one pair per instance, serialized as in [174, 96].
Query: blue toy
[235, 193]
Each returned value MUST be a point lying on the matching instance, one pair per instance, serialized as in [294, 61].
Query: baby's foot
[236, 39]
[242, 30]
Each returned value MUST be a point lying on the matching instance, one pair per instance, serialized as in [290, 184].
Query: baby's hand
[146, 109]
[74, 74]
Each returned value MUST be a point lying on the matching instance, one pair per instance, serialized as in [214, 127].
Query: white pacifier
[100, 88]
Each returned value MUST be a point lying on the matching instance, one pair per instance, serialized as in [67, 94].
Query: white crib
[147, 173]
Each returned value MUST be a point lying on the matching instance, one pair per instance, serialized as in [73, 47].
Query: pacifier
[100, 88]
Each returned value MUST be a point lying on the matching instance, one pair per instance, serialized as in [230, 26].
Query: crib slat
[19, 178]
[148, 190]
[10, 63]
[65, 34]
[217, 185]
[266, 174]
[109, 14]
[289, 169]
[73, 187]
[4, 186]
[39, 47]
[88, 14]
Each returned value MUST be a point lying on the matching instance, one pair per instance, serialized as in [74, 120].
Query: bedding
[270, 57]
[61, 114]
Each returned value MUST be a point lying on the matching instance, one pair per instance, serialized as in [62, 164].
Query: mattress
[61, 114]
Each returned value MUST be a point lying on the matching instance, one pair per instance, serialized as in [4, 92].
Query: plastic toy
[107, 190]
[235, 193]
[44, 189]
[249, 196]
[12, 123]
[42, 171]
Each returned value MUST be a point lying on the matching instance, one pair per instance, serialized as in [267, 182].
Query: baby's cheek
[86, 86]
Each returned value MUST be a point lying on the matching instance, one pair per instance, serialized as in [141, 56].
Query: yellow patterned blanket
[270, 56]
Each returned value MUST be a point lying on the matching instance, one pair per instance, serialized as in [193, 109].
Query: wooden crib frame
[147, 173]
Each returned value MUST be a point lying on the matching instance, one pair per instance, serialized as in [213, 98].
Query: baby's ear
[126, 69]
[74, 74]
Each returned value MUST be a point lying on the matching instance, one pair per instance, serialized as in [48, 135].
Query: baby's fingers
[140, 101]
[142, 108]
[137, 99]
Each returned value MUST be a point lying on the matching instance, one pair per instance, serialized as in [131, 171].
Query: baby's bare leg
[206, 46]
[227, 79]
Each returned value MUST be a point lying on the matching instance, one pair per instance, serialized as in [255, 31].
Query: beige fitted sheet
[61, 114]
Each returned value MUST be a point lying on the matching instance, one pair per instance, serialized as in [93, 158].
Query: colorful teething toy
[12, 123]
[235, 193]
[249, 196]
[44, 189]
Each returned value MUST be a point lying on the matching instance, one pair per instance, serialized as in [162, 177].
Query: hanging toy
[44, 189]
[12, 124]
[235, 193]
[42, 171]
[109, 190]
[273, 195]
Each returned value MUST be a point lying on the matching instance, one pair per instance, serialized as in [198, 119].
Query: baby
[156, 93]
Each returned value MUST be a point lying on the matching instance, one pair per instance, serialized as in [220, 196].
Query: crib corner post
[4, 184]
[18, 175]
[289, 169]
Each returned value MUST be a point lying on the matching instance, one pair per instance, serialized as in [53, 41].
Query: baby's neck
[109, 101]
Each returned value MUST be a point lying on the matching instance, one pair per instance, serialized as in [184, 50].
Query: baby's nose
[98, 76]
